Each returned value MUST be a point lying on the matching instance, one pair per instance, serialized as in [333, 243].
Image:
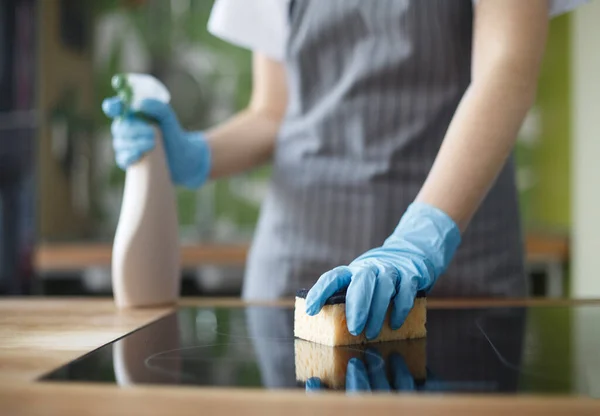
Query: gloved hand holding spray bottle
[145, 259]
[157, 154]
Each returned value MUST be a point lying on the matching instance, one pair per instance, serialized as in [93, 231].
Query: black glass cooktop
[545, 350]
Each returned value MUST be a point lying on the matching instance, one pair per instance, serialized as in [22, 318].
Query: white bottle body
[146, 252]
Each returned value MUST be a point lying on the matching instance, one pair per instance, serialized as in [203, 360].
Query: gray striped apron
[373, 86]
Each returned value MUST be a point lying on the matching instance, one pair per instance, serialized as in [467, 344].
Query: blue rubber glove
[369, 375]
[410, 260]
[188, 153]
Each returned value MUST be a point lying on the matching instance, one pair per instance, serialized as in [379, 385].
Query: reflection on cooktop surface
[502, 350]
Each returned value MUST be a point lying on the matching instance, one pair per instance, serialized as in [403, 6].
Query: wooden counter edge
[94, 399]
[75, 256]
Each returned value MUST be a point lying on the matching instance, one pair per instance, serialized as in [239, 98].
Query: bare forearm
[509, 43]
[243, 142]
[477, 145]
[246, 140]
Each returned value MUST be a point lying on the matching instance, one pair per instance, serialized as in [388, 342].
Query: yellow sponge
[329, 364]
[329, 327]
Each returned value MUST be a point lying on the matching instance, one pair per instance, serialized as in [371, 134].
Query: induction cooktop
[540, 350]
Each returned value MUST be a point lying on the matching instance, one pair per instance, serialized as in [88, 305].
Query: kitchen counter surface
[79, 255]
[39, 335]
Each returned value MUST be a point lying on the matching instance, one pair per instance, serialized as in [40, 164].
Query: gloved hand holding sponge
[410, 260]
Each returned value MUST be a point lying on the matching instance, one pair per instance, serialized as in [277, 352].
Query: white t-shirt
[262, 25]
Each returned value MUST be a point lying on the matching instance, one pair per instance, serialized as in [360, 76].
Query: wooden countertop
[38, 335]
[73, 256]
[76, 256]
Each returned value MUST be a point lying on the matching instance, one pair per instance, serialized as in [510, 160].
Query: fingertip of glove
[313, 301]
[371, 334]
[312, 307]
[313, 383]
[354, 362]
[356, 316]
[112, 106]
[355, 327]
[327, 285]
[398, 319]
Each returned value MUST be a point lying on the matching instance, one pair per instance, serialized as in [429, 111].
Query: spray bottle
[146, 252]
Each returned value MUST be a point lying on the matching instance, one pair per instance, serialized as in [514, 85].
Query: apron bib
[373, 86]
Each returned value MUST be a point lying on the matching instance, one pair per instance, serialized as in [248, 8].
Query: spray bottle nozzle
[118, 82]
[133, 88]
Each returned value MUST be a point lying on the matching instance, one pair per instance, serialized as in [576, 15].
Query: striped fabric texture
[373, 86]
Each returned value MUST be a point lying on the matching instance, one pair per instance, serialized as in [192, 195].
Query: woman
[390, 125]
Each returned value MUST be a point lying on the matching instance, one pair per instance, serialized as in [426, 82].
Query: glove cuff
[431, 232]
[200, 163]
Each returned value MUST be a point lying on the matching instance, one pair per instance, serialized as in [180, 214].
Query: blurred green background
[543, 151]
